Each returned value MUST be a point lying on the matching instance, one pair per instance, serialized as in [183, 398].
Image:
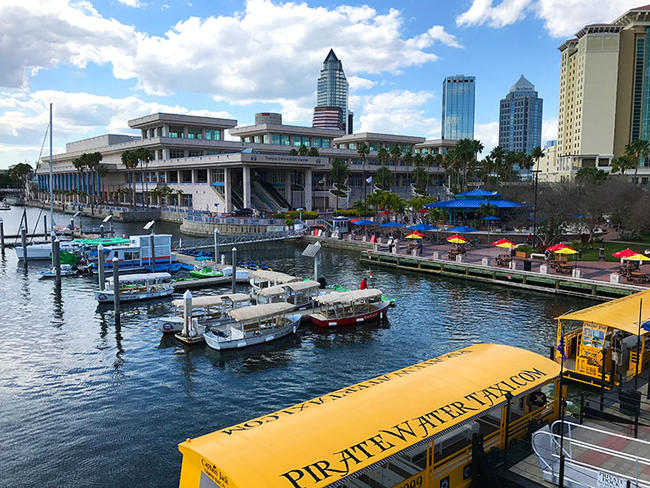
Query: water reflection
[275, 354]
[57, 306]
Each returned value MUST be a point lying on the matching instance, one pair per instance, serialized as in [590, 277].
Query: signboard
[606, 480]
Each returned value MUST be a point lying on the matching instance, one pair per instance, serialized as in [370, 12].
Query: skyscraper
[520, 118]
[332, 92]
[458, 107]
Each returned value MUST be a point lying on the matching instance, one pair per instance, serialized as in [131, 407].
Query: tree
[179, 194]
[92, 161]
[101, 171]
[80, 165]
[144, 155]
[313, 152]
[339, 174]
[303, 151]
[384, 178]
[293, 152]
[19, 173]
[363, 150]
[591, 175]
[395, 154]
[537, 154]
[421, 179]
[130, 161]
[418, 160]
[622, 164]
[383, 156]
[637, 150]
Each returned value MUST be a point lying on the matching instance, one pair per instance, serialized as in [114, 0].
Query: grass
[590, 251]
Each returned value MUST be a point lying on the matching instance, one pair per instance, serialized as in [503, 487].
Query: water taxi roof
[141, 277]
[621, 314]
[327, 440]
[266, 275]
[272, 291]
[260, 312]
[212, 300]
[349, 296]
[303, 285]
[105, 241]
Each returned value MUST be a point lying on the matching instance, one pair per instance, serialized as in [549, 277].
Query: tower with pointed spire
[331, 111]
[520, 118]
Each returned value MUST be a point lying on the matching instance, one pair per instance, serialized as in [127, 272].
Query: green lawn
[590, 252]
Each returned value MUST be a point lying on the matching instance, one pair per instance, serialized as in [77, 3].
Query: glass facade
[333, 86]
[212, 134]
[638, 87]
[301, 141]
[176, 132]
[458, 107]
[194, 133]
[520, 118]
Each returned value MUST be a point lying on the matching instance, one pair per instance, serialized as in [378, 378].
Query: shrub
[525, 249]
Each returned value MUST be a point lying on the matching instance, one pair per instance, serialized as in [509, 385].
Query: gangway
[592, 457]
[228, 240]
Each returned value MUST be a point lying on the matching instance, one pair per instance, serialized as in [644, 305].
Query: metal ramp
[592, 457]
[229, 240]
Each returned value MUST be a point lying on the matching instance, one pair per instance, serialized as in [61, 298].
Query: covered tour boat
[66, 270]
[261, 278]
[207, 309]
[299, 293]
[134, 287]
[253, 325]
[349, 307]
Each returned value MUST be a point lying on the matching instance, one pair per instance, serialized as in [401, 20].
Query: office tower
[458, 107]
[520, 118]
[332, 92]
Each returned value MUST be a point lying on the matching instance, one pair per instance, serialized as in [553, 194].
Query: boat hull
[379, 313]
[198, 274]
[222, 343]
[107, 296]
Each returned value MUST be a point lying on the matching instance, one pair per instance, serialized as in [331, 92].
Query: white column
[246, 184]
[287, 186]
[227, 189]
[165, 131]
[308, 192]
[165, 153]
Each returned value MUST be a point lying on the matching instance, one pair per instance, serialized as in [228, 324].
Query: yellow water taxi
[601, 342]
[414, 427]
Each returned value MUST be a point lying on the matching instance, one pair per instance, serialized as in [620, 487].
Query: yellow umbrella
[505, 243]
[566, 250]
[638, 257]
[456, 239]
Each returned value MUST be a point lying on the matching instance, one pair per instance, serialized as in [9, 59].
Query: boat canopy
[273, 276]
[260, 312]
[332, 438]
[621, 314]
[143, 277]
[213, 300]
[105, 241]
[303, 285]
[273, 291]
[349, 296]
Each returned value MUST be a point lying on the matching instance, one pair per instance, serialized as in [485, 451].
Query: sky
[103, 62]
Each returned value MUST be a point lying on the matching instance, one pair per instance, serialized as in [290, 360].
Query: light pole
[535, 173]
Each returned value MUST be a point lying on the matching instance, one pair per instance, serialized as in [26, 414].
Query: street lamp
[535, 173]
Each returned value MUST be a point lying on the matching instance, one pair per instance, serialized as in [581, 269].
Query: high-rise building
[520, 118]
[604, 101]
[458, 107]
[332, 92]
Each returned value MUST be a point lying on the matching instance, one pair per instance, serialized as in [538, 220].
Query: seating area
[503, 260]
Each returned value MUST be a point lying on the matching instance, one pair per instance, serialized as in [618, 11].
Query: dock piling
[72, 227]
[2, 237]
[234, 270]
[153, 252]
[116, 289]
[101, 230]
[187, 312]
[56, 257]
[100, 266]
[216, 247]
[23, 242]
[45, 232]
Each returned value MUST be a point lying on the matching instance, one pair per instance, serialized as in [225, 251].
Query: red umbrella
[423, 210]
[457, 239]
[625, 253]
[354, 220]
[504, 243]
[557, 247]
[385, 212]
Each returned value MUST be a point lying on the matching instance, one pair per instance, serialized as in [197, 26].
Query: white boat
[4, 206]
[143, 286]
[262, 278]
[43, 250]
[211, 308]
[66, 270]
[254, 325]
[349, 308]
[136, 254]
[298, 293]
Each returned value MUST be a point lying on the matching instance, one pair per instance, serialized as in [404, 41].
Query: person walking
[363, 285]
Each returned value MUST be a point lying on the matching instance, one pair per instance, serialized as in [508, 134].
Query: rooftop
[157, 119]
[374, 136]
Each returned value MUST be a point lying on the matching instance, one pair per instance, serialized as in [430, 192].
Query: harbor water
[86, 403]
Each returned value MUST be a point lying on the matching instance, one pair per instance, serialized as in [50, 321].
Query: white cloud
[488, 134]
[132, 3]
[397, 111]
[438, 32]
[549, 130]
[561, 18]
[359, 83]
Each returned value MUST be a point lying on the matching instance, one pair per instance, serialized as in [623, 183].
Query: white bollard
[363, 238]
[513, 264]
[576, 273]
[459, 258]
[614, 278]
[543, 268]
[485, 261]
[187, 312]
[436, 254]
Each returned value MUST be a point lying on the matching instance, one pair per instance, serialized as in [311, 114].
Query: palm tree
[130, 162]
[418, 160]
[383, 156]
[80, 165]
[395, 154]
[497, 156]
[144, 155]
[339, 174]
[313, 152]
[293, 152]
[383, 178]
[303, 151]
[92, 161]
[421, 178]
[363, 150]
[537, 154]
[637, 150]
[179, 195]
[101, 171]
[622, 164]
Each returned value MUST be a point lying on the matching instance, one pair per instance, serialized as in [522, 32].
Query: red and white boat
[349, 308]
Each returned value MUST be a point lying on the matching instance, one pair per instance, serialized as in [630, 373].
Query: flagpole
[561, 473]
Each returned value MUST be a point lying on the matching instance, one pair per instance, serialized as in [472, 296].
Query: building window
[176, 132]
[176, 153]
[186, 176]
[213, 134]
[194, 133]
[285, 140]
[194, 154]
[276, 139]
[266, 139]
[301, 141]
[201, 175]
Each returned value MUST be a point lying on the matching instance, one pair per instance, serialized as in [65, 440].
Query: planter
[520, 254]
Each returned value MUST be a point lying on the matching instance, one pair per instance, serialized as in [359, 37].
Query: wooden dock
[516, 278]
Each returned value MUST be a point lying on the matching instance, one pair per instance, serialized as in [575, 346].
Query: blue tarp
[478, 193]
[474, 204]
[461, 229]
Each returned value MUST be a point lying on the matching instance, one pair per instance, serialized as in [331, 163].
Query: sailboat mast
[51, 178]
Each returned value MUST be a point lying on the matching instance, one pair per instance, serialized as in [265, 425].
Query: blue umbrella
[392, 224]
[491, 218]
[422, 227]
[364, 222]
[462, 229]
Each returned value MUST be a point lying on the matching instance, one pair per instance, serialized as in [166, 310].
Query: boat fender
[101, 296]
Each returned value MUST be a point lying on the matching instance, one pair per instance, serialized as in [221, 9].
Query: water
[86, 403]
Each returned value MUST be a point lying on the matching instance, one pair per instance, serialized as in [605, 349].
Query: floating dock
[529, 280]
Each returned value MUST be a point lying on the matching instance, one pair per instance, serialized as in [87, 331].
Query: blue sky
[103, 62]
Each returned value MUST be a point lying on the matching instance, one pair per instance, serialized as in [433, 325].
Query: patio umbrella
[422, 227]
[491, 218]
[354, 220]
[638, 257]
[557, 247]
[364, 222]
[566, 250]
[423, 210]
[505, 243]
[415, 235]
[391, 224]
[385, 212]
[456, 239]
[625, 253]
[462, 228]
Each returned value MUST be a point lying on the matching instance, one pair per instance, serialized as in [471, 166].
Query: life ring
[538, 398]
[101, 296]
